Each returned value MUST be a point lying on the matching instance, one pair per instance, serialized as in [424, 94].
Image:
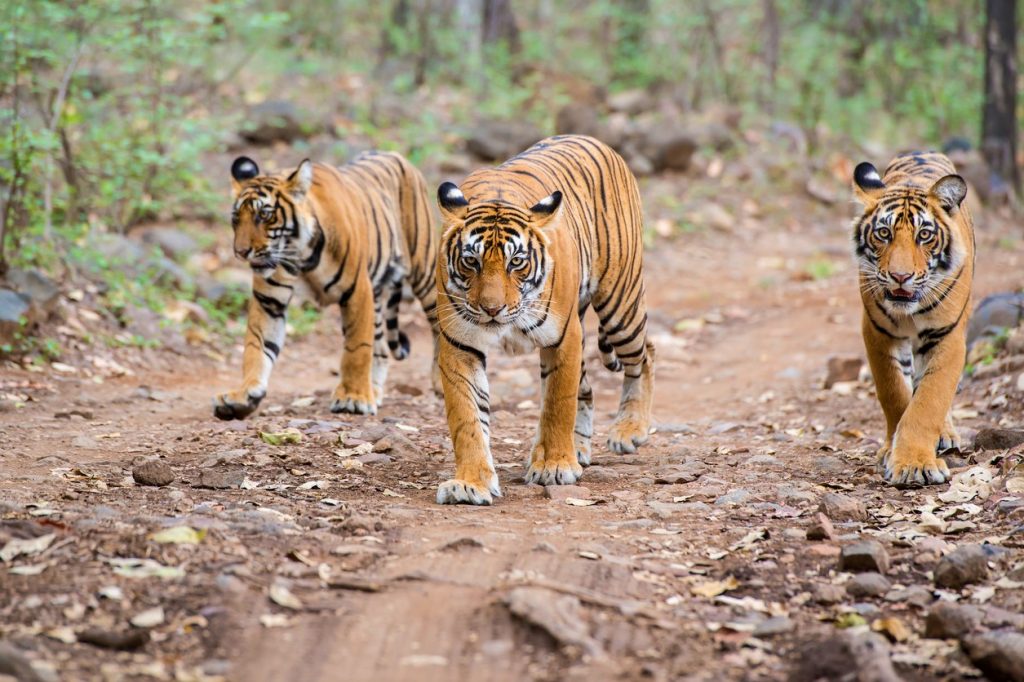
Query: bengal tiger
[914, 245]
[527, 247]
[354, 235]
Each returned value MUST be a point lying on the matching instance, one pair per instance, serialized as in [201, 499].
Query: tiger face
[268, 215]
[906, 241]
[497, 258]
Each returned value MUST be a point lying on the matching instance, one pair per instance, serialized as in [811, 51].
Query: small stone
[916, 596]
[999, 655]
[220, 479]
[843, 508]
[821, 529]
[601, 474]
[998, 439]
[823, 550]
[867, 585]
[374, 458]
[737, 496]
[948, 620]
[849, 655]
[843, 368]
[864, 556]
[827, 593]
[777, 625]
[153, 472]
[561, 492]
[963, 566]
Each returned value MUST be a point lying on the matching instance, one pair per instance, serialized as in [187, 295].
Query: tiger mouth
[902, 295]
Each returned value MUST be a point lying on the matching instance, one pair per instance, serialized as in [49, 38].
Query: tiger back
[527, 248]
[915, 248]
[354, 234]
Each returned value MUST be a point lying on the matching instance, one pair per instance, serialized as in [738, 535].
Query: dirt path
[388, 585]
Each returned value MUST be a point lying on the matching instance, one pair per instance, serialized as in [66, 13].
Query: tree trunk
[999, 122]
[772, 40]
[499, 25]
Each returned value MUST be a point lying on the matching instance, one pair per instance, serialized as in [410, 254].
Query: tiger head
[907, 241]
[496, 257]
[269, 216]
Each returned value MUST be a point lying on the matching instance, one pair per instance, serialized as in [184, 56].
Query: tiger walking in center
[915, 251]
[527, 248]
[354, 234]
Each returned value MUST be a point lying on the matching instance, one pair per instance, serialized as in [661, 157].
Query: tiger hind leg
[633, 421]
[584, 428]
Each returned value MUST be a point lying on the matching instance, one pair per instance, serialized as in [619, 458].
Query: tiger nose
[493, 310]
[243, 253]
[901, 277]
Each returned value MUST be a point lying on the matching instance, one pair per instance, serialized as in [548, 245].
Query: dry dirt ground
[329, 560]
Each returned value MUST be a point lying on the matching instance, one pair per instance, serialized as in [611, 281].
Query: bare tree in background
[999, 123]
[499, 25]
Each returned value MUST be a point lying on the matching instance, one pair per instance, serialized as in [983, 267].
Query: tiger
[526, 248]
[914, 245]
[354, 235]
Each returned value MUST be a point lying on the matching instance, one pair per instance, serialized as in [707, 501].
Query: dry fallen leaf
[578, 502]
[148, 618]
[179, 535]
[282, 596]
[289, 436]
[713, 588]
[275, 620]
[1015, 484]
[15, 548]
[893, 628]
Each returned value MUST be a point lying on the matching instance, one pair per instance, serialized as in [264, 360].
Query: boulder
[995, 313]
[275, 121]
[497, 140]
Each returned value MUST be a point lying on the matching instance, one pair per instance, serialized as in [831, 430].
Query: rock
[175, 243]
[561, 616]
[40, 289]
[963, 566]
[777, 625]
[733, 497]
[601, 474]
[687, 472]
[864, 556]
[998, 439]
[994, 314]
[948, 620]
[827, 593]
[850, 655]
[631, 102]
[15, 664]
[374, 458]
[821, 529]
[580, 118]
[843, 368]
[17, 315]
[999, 655]
[867, 585]
[675, 151]
[842, 508]
[561, 492]
[915, 595]
[496, 140]
[220, 479]
[153, 472]
[274, 121]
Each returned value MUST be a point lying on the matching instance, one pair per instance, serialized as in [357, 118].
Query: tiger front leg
[633, 421]
[264, 338]
[467, 404]
[354, 393]
[891, 366]
[554, 459]
[926, 419]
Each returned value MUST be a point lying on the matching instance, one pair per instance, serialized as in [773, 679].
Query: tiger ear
[950, 192]
[452, 202]
[867, 184]
[545, 210]
[243, 168]
[301, 179]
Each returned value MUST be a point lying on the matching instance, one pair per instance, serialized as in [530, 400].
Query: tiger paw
[552, 469]
[354, 403]
[908, 466]
[949, 439]
[627, 434]
[459, 491]
[583, 452]
[237, 404]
